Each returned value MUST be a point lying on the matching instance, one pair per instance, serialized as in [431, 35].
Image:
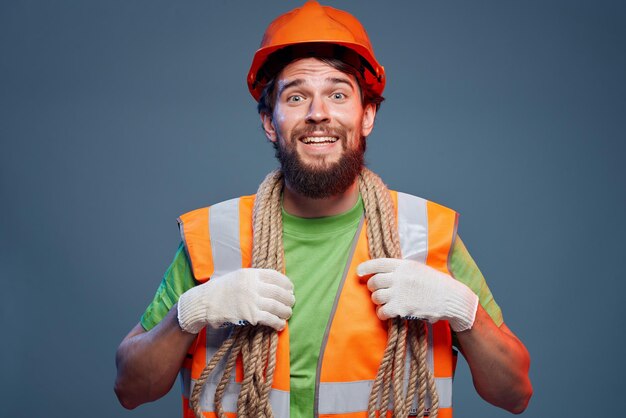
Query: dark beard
[322, 181]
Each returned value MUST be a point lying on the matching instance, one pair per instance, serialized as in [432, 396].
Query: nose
[318, 111]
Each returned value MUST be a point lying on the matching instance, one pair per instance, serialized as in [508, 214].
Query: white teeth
[319, 139]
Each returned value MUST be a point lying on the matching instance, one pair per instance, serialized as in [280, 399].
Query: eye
[294, 99]
[338, 96]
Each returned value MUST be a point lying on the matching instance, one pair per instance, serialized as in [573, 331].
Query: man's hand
[254, 296]
[413, 290]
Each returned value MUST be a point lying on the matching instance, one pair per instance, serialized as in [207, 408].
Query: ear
[268, 126]
[369, 116]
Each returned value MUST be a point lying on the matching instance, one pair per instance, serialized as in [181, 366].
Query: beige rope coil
[257, 344]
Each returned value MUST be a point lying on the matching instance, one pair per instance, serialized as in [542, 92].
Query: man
[299, 259]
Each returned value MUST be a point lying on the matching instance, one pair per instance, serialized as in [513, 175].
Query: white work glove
[412, 290]
[244, 296]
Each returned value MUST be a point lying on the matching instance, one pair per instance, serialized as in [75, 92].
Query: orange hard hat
[317, 29]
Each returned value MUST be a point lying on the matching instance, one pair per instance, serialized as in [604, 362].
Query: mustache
[310, 130]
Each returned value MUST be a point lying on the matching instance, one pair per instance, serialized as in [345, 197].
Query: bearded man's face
[318, 127]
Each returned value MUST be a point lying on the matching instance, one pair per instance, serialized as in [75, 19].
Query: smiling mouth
[319, 139]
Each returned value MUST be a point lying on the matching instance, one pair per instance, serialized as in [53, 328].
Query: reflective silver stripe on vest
[279, 399]
[444, 390]
[430, 357]
[413, 231]
[226, 249]
[413, 227]
[224, 230]
[347, 397]
[214, 340]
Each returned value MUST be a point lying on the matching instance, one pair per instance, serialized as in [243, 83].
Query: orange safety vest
[218, 239]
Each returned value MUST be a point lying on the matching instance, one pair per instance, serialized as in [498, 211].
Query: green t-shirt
[316, 254]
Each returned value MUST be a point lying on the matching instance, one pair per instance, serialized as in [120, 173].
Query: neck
[306, 207]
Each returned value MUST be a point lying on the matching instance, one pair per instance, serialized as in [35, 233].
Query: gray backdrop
[117, 116]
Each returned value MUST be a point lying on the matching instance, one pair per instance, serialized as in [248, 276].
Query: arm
[148, 361]
[498, 360]
[499, 363]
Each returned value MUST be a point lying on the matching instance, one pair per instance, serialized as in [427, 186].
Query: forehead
[313, 71]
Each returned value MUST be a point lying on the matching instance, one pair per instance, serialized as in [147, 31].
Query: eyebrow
[341, 80]
[293, 83]
[299, 81]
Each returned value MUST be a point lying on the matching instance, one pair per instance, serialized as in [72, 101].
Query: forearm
[148, 362]
[499, 363]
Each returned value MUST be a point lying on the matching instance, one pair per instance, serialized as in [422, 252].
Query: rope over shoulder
[257, 344]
